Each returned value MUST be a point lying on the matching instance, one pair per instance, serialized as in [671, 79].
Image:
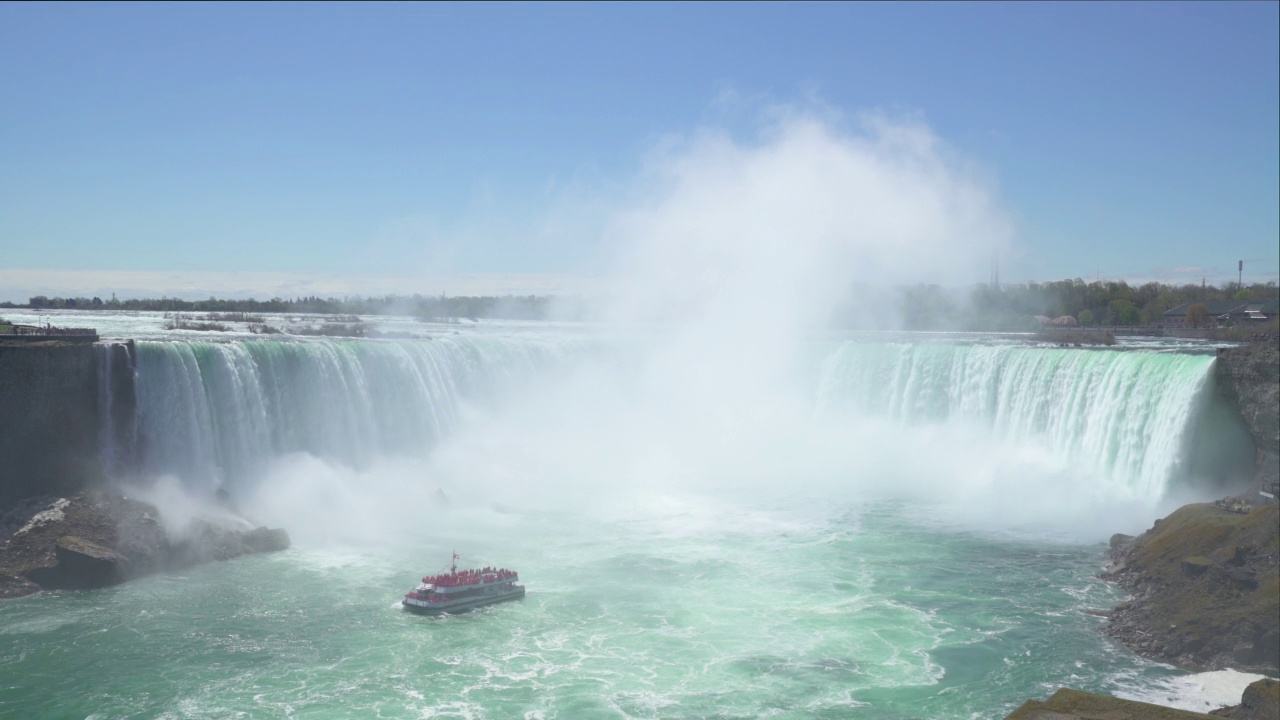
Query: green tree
[1129, 315]
[1085, 317]
[1122, 312]
[1198, 315]
[1243, 295]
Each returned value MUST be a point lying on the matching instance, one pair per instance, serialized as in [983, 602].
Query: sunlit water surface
[675, 612]
[667, 603]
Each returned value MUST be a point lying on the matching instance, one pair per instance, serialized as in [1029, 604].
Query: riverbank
[1205, 581]
[1204, 586]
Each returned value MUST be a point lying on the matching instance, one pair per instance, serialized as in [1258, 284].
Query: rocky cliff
[1204, 582]
[49, 419]
[1205, 589]
[52, 414]
[1249, 378]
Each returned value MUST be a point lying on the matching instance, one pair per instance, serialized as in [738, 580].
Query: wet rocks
[1068, 704]
[1261, 701]
[266, 539]
[95, 540]
[12, 586]
[88, 564]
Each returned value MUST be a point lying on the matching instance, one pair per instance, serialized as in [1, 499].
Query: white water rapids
[892, 527]
[218, 414]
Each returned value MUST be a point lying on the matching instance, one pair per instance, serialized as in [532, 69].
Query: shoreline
[1203, 589]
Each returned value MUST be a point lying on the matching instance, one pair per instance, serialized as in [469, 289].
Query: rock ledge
[1205, 589]
[99, 539]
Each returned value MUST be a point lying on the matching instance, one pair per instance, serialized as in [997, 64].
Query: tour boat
[461, 590]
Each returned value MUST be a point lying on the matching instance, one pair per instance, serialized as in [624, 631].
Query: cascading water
[215, 413]
[106, 403]
[1124, 414]
[670, 599]
[117, 433]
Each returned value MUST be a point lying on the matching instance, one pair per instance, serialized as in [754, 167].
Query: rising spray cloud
[728, 260]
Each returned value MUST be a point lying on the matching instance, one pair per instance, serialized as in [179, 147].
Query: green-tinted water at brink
[686, 611]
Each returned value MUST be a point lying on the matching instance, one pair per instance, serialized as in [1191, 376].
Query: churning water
[895, 527]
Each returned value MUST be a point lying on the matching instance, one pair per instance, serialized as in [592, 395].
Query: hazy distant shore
[1091, 309]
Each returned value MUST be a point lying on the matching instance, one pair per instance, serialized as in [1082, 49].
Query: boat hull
[462, 605]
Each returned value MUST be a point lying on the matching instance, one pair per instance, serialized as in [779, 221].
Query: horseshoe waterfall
[878, 525]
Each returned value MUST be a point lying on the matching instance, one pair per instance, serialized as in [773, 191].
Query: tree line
[1016, 306]
[1012, 306]
[508, 307]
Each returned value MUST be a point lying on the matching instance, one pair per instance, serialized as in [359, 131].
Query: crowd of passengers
[469, 577]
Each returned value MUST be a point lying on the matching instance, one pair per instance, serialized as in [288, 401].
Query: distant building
[1239, 311]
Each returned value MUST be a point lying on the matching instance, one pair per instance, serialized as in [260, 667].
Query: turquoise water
[883, 527]
[696, 610]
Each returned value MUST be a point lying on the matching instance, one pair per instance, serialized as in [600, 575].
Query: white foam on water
[42, 624]
[343, 442]
[1199, 692]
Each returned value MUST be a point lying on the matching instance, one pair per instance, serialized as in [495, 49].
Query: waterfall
[117, 413]
[1125, 414]
[216, 413]
[107, 445]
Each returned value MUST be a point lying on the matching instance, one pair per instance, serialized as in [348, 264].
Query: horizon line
[18, 286]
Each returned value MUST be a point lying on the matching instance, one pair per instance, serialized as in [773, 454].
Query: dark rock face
[49, 420]
[1120, 540]
[1249, 378]
[12, 586]
[91, 564]
[95, 540]
[1195, 566]
[1205, 587]
[266, 539]
[52, 419]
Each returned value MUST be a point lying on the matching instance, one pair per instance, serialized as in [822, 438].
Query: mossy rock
[1068, 704]
[1208, 585]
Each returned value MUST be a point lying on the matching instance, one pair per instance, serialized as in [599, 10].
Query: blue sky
[411, 141]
